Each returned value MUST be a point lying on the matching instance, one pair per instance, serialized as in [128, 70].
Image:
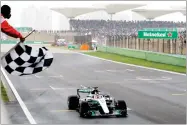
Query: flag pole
[16, 45]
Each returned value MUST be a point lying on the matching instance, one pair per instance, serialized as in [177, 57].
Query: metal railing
[170, 46]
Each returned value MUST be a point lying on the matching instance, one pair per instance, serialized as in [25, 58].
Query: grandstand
[120, 27]
[124, 33]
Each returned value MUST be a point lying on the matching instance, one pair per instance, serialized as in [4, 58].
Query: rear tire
[83, 110]
[122, 106]
[73, 102]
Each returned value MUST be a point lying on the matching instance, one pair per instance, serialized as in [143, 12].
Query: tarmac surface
[151, 96]
[4, 118]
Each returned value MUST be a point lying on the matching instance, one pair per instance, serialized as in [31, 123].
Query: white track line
[74, 88]
[133, 65]
[60, 88]
[22, 104]
[130, 70]
[155, 79]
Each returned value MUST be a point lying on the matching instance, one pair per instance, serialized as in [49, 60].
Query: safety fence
[170, 46]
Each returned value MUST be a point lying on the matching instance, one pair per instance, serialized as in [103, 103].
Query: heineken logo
[151, 34]
[158, 34]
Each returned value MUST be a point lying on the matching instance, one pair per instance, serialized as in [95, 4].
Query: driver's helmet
[95, 91]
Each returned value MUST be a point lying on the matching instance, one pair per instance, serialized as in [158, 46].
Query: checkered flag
[26, 60]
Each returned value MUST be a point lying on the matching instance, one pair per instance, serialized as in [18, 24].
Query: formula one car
[96, 104]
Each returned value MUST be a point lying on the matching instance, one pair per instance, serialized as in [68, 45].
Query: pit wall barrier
[146, 55]
[14, 96]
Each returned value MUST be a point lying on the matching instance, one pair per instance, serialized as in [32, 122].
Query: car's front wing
[114, 113]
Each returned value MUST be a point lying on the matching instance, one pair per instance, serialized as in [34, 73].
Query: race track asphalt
[151, 96]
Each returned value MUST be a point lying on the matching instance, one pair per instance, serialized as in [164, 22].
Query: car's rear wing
[85, 90]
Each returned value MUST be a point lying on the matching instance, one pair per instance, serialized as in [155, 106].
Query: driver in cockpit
[95, 91]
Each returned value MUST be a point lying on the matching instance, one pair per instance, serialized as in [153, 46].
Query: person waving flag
[6, 28]
[22, 59]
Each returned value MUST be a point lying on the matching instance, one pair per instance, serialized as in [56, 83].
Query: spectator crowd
[102, 28]
[108, 27]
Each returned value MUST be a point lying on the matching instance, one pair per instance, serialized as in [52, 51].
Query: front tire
[83, 110]
[122, 106]
[73, 102]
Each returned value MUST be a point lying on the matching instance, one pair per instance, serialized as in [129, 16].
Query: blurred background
[101, 23]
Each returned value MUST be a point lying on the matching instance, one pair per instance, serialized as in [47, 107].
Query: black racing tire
[121, 105]
[83, 110]
[73, 102]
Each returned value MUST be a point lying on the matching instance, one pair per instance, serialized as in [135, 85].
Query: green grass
[4, 95]
[135, 61]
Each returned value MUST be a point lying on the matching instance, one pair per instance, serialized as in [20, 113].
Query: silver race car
[96, 104]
